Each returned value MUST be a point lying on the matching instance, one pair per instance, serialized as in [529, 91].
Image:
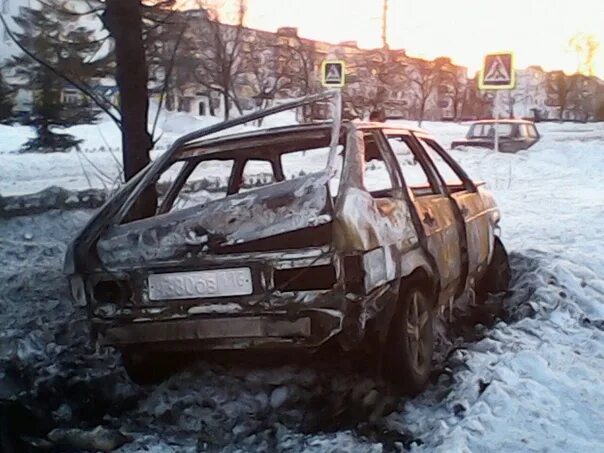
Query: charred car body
[373, 241]
[514, 135]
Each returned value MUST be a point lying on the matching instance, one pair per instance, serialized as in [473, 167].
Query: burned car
[514, 135]
[355, 232]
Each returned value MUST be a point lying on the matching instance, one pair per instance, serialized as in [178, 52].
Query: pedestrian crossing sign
[497, 72]
[333, 73]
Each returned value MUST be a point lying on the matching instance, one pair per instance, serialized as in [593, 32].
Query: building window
[71, 97]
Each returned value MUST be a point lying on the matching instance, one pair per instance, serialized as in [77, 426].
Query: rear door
[528, 133]
[479, 235]
[373, 216]
[442, 228]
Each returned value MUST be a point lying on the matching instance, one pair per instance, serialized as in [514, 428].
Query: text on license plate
[196, 284]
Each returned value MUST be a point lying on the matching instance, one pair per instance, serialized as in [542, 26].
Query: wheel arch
[420, 275]
[424, 278]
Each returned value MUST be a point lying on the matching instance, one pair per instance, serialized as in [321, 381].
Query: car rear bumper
[309, 328]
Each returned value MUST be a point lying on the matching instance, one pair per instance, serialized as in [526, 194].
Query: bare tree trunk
[227, 109]
[123, 20]
[455, 108]
[422, 108]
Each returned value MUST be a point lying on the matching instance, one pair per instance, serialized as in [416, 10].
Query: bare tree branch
[70, 12]
[166, 80]
[82, 87]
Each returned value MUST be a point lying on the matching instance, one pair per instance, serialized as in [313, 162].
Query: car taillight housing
[111, 292]
[305, 278]
[354, 274]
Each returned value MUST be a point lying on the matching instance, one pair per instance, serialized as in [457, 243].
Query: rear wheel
[498, 274]
[410, 342]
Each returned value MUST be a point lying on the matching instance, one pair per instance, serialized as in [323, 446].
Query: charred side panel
[443, 240]
[365, 223]
[380, 230]
[479, 235]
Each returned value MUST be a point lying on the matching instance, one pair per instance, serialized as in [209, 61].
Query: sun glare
[537, 31]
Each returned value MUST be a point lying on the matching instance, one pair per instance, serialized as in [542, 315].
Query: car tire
[410, 342]
[497, 277]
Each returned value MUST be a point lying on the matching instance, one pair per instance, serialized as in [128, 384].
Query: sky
[537, 31]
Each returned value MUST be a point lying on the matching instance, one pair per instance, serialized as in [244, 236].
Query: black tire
[497, 277]
[410, 342]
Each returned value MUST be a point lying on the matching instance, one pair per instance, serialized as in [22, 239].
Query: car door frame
[386, 241]
[476, 217]
[434, 236]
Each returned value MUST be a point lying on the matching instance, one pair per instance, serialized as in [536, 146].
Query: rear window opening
[200, 175]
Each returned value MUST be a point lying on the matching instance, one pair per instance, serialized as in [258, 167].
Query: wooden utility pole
[385, 25]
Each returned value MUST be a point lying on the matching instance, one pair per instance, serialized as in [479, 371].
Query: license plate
[199, 284]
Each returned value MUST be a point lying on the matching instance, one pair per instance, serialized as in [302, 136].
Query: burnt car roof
[501, 121]
[297, 128]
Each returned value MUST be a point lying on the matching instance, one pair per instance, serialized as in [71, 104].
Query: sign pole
[497, 73]
[497, 117]
[497, 132]
[333, 75]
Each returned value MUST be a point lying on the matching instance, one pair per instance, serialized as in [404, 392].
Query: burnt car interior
[378, 173]
[193, 177]
[198, 175]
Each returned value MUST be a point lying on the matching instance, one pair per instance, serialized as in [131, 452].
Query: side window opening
[166, 181]
[414, 174]
[257, 173]
[334, 182]
[452, 179]
[189, 182]
[302, 162]
[208, 181]
[476, 130]
[377, 178]
[504, 130]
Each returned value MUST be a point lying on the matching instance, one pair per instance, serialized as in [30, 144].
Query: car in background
[379, 235]
[514, 135]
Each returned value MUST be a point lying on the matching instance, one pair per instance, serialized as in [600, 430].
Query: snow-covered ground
[98, 162]
[533, 382]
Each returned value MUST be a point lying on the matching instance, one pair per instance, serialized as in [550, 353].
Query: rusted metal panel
[310, 329]
[204, 329]
[479, 232]
[363, 222]
[443, 238]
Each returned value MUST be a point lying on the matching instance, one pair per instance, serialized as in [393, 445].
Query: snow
[98, 162]
[532, 382]
[545, 392]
